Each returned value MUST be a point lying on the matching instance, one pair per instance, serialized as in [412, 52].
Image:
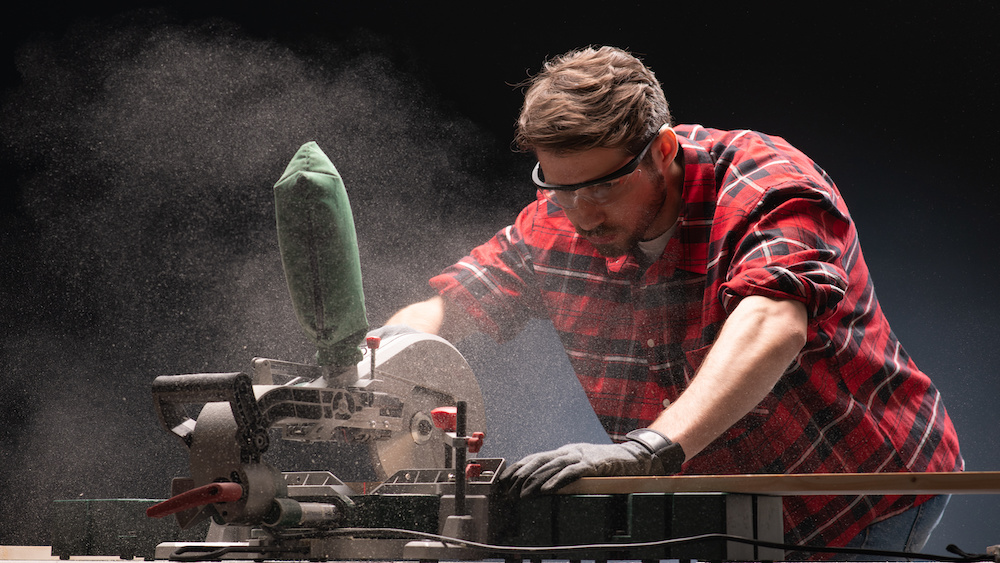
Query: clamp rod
[460, 460]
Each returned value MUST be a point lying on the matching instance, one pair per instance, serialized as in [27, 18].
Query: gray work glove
[546, 472]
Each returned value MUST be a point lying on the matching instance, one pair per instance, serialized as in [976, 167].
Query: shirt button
[650, 343]
[666, 403]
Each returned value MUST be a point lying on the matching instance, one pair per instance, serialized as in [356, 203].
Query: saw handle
[198, 496]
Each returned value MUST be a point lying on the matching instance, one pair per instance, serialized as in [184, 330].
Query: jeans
[908, 531]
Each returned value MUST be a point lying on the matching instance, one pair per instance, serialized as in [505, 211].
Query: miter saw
[413, 412]
[409, 397]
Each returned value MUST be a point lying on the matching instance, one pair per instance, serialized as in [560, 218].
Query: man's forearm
[435, 316]
[425, 316]
[756, 345]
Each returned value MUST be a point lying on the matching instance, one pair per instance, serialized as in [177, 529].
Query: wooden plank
[969, 482]
[26, 553]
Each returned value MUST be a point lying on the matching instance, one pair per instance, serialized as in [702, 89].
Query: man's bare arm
[436, 316]
[756, 345]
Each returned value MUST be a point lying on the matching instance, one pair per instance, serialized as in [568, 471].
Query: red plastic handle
[445, 418]
[198, 496]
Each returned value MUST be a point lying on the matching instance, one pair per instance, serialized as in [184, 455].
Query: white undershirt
[653, 248]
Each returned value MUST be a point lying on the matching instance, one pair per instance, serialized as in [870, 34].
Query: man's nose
[586, 216]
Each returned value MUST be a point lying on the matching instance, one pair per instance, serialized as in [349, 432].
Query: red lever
[198, 496]
[445, 418]
[475, 442]
[473, 470]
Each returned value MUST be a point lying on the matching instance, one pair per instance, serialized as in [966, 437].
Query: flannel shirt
[758, 218]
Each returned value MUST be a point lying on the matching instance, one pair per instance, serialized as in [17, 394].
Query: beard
[611, 249]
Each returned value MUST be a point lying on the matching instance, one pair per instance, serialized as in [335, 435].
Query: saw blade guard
[427, 372]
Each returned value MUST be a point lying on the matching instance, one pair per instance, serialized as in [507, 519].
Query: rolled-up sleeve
[797, 244]
[495, 283]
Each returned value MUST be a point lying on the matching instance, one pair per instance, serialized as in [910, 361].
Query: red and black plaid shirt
[758, 218]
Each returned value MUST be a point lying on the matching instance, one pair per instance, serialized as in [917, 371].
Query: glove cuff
[667, 456]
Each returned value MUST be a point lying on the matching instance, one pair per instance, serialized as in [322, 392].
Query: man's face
[642, 212]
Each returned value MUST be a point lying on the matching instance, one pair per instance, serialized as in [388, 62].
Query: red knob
[475, 442]
[373, 342]
[445, 418]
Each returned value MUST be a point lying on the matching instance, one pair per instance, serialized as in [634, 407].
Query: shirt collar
[698, 206]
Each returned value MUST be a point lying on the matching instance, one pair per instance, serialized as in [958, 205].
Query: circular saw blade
[426, 372]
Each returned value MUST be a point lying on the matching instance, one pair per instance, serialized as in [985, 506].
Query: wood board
[969, 482]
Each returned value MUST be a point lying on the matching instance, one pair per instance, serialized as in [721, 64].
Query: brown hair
[591, 97]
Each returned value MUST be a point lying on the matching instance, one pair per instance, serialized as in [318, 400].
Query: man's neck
[670, 210]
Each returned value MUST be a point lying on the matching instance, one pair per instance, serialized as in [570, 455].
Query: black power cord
[214, 553]
[960, 555]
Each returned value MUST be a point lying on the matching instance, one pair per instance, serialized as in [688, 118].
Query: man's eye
[600, 190]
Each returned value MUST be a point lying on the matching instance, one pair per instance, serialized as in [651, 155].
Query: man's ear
[666, 146]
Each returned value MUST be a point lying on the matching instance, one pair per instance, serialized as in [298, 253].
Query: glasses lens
[598, 194]
[563, 199]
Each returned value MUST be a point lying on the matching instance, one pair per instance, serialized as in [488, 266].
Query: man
[713, 300]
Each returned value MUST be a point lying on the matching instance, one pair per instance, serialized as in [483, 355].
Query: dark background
[140, 143]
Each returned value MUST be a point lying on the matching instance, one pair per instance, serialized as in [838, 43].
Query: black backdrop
[140, 143]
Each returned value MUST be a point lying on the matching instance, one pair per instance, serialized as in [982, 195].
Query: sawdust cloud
[143, 244]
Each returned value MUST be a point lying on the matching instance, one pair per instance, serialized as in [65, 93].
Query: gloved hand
[546, 472]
